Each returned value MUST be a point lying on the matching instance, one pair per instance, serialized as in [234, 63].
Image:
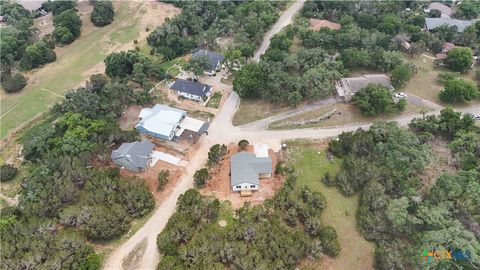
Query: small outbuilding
[191, 90]
[246, 169]
[215, 60]
[134, 156]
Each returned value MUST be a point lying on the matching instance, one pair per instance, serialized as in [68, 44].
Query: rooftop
[215, 58]
[246, 166]
[433, 23]
[352, 85]
[31, 5]
[444, 9]
[317, 24]
[190, 87]
[161, 119]
[137, 153]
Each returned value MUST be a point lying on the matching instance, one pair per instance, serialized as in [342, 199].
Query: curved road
[222, 131]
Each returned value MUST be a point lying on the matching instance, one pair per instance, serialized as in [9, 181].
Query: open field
[252, 110]
[346, 114]
[311, 164]
[424, 84]
[78, 60]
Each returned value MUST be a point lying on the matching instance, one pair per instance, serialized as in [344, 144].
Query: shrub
[7, 172]
[102, 13]
[162, 179]
[14, 83]
[458, 90]
[63, 35]
[200, 177]
[243, 144]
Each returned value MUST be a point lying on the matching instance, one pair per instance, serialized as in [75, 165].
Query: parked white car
[400, 95]
[477, 116]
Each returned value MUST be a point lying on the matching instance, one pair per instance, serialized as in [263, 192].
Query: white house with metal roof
[167, 123]
[246, 169]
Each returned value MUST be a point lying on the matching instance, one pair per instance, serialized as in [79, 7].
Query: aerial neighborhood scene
[240, 135]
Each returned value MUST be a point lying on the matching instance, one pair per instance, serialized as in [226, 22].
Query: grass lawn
[251, 110]
[310, 165]
[48, 84]
[424, 84]
[214, 101]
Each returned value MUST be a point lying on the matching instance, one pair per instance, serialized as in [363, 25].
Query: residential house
[191, 90]
[215, 60]
[347, 87]
[432, 23]
[33, 5]
[134, 156]
[167, 123]
[445, 11]
[246, 169]
[446, 47]
[316, 24]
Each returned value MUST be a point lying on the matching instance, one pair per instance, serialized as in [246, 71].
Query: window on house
[239, 186]
[252, 186]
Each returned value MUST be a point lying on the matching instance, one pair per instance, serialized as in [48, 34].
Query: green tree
[36, 55]
[216, 153]
[14, 83]
[7, 172]
[57, 7]
[460, 59]
[198, 65]
[401, 75]
[249, 81]
[374, 100]
[106, 222]
[63, 35]
[468, 9]
[242, 144]
[459, 90]
[70, 20]
[102, 13]
[200, 177]
[162, 179]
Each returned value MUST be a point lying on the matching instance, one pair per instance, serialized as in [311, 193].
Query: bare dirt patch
[219, 184]
[129, 117]
[44, 25]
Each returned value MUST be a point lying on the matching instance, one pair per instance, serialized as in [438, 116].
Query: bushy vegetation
[460, 59]
[376, 99]
[67, 26]
[456, 89]
[14, 83]
[402, 215]
[7, 172]
[266, 236]
[64, 199]
[102, 13]
[201, 23]
[162, 179]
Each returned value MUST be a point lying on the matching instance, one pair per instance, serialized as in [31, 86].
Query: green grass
[69, 70]
[310, 165]
[214, 101]
[251, 110]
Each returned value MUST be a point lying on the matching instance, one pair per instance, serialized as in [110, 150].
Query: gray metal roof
[245, 167]
[215, 58]
[31, 5]
[194, 88]
[433, 23]
[137, 153]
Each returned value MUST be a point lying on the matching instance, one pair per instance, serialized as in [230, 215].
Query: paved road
[222, 131]
[284, 20]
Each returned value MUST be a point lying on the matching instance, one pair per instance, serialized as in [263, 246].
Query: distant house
[33, 5]
[191, 90]
[215, 60]
[167, 123]
[446, 11]
[246, 169]
[347, 87]
[432, 23]
[134, 156]
[403, 41]
[446, 47]
[316, 24]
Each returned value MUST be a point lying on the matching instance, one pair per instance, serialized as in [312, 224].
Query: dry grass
[252, 110]
[424, 84]
[310, 165]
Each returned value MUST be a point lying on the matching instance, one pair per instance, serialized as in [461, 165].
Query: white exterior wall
[245, 186]
[264, 175]
[190, 96]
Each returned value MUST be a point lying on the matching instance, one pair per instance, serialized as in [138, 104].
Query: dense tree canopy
[102, 13]
[376, 99]
[67, 26]
[459, 90]
[460, 59]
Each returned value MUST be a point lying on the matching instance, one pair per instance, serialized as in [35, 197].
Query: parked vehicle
[400, 95]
